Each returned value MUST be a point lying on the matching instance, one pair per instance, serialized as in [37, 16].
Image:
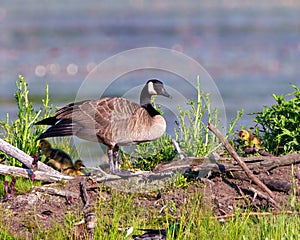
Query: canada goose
[250, 139]
[55, 158]
[112, 121]
[76, 169]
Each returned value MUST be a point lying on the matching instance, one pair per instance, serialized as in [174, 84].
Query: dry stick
[176, 146]
[26, 173]
[233, 153]
[85, 196]
[226, 216]
[54, 191]
[90, 217]
[257, 193]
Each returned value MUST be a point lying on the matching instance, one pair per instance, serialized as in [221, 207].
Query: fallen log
[280, 186]
[223, 165]
[222, 218]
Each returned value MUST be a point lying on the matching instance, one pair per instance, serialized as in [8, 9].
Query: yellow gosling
[249, 139]
[76, 169]
[55, 158]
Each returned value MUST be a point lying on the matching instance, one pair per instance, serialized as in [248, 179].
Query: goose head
[152, 87]
[44, 145]
[78, 165]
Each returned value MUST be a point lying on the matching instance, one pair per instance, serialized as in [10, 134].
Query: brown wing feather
[111, 121]
[120, 118]
[98, 118]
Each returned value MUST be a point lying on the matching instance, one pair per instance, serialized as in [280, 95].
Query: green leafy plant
[280, 123]
[20, 132]
[178, 181]
[147, 156]
[192, 133]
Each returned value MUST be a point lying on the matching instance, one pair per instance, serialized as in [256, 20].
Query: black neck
[145, 102]
[150, 109]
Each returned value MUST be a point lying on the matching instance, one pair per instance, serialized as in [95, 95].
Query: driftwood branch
[23, 157]
[27, 173]
[176, 146]
[243, 165]
[43, 173]
[90, 217]
[260, 194]
[223, 165]
[54, 191]
[228, 216]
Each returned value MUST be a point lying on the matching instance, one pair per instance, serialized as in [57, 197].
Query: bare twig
[260, 194]
[90, 217]
[233, 153]
[84, 194]
[176, 146]
[227, 216]
[54, 191]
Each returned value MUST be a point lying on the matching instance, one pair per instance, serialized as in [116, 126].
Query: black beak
[165, 93]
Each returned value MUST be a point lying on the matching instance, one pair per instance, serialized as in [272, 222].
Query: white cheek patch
[151, 89]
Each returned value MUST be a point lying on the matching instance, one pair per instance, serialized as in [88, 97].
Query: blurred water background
[250, 48]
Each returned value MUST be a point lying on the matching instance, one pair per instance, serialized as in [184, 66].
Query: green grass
[22, 185]
[195, 218]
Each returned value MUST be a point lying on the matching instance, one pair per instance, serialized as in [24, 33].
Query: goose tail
[62, 128]
[47, 121]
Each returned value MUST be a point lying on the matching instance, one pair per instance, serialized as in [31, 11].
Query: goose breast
[141, 128]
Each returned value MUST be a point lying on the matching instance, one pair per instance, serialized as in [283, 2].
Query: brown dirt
[224, 194]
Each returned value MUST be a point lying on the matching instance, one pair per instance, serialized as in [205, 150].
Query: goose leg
[113, 156]
[111, 160]
[116, 159]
